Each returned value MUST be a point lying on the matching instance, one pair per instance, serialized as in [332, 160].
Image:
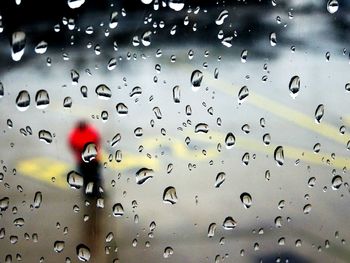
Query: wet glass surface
[217, 131]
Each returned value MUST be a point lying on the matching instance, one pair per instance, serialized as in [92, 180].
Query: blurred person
[84, 135]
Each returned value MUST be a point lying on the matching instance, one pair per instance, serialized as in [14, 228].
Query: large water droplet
[279, 155]
[294, 86]
[122, 109]
[307, 209]
[143, 174]
[109, 237]
[75, 3]
[42, 99]
[169, 195]
[146, 38]
[221, 18]
[337, 181]
[332, 6]
[319, 113]
[75, 180]
[118, 210]
[229, 223]
[41, 47]
[45, 136]
[211, 230]
[230, 140]
[196, 79]
[113, 20]
[58, 246]
[83, 253]
[157, 112]
[4, 203]
[23, 100]
[38, 197]
[103, 92]
[135, 91]
[220, 178]
[112, 63]
[246, 200]
[201, 128]
[227, 41]
[168, 251]
[18, 44]
[176, 5]
[89, 153]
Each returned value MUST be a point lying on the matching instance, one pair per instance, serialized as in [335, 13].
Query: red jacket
[80, 136]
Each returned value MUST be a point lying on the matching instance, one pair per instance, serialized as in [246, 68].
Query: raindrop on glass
[169, 195]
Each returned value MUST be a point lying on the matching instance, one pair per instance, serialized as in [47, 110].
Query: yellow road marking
[44, 169]
[130, 161]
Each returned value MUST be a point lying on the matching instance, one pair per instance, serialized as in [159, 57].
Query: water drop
[169, 195]
[230, 140]
[243, 94]
[109, 237]
[75, 3]
[201, 128]
[75, 180]
[143, 175]
[113, 20]
[294, 86]
[279, 155]
[41, 47]
[103, 92]
[42, 99]
[157, 112]
[115, 139]
[307, 209]
[211, 230]
[38, 197]
[122, 109]
[23, 100]
[74, 75]
[246, 200]
[67, 102]
[332, 6]
[176, 5]
[267, 138]
[18, 44]
[196, 79]
[221, 18]
[83, 253]
[246, 158]
[319, 113]
[337, 181]
[112, 63]
[146, 38]
[45, 136]
[135, 91]
[168, 251]
[58, 246]
[220, 178]
[89, 153]
[311, 182]
[273, 39]
[244, 56]
[229, 223]
[118, 210]
[4, 203]
[176, 94]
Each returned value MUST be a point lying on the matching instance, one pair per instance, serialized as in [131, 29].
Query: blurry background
[240, 106]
